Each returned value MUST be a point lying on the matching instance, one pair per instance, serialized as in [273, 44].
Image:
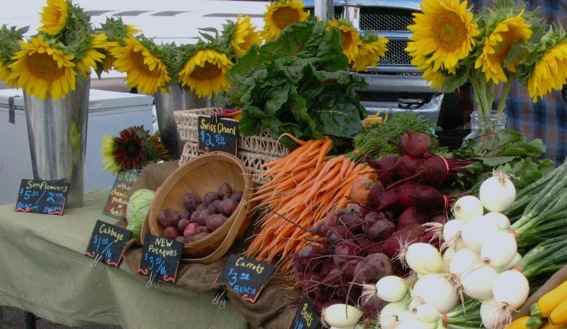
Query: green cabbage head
[138, 207]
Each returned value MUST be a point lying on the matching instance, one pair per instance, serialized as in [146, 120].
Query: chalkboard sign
[107, 243]
[246, 276]
[117, 201]
[160, 258]
[42, 197]
[305, 317]
[217, 134]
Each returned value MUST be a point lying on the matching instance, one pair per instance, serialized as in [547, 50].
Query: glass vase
[484, 128]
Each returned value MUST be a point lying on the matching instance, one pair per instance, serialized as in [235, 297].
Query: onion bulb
[423, 258]
[477, 282]
[512, 288]
[436, 289]
[497, 193]
[341, 315]
[391, 288]
[476, 230]
[467, 207]
[499, 248]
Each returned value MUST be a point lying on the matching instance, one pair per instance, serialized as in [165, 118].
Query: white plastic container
[109, 113]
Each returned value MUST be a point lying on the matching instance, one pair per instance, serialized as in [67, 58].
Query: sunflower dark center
[206, 72]
[452, 32]
[285, 16]
[44, 66]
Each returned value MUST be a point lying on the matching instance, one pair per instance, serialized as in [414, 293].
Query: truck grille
[387, 21]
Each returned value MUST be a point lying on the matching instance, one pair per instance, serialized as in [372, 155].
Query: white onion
[467, 207]
[511, 287]
[476, 230]
[426, 313]
[502, 220]
[423, 258]
[436, 289]
[490, 314]
[499, 248]
[391, 288]
[463, 260]
[497, 193]
[341, 315]
[388, 317]
[452, 233]
[477, 283]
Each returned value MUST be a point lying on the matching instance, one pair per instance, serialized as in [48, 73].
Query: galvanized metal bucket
[168, 102]
[57, 131]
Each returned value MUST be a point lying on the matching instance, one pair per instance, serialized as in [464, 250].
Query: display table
[44, 271]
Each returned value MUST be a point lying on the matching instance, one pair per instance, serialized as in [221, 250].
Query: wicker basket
[253, 151]
[201, 175]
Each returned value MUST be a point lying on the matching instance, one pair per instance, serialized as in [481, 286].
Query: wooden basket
[253, 151]
[203, 174]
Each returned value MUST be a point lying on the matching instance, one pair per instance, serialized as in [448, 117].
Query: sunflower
[244, 36]
[54, 17]
[129, 151]
[145, 71]
[132, 149]
[205, 72]
[370, 51]
[550, 72]
[93, 55]
[116, 31]
[497, 46]
[350, 38]
[280, 14]
[42, 69]
[107, 152]
[444, 32]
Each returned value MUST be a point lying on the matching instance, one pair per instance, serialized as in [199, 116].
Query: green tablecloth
[44, 271]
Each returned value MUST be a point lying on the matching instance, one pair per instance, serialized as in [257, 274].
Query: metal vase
[168, 102]
[57, 131]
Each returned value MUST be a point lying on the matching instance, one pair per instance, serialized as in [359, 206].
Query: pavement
[14, 318]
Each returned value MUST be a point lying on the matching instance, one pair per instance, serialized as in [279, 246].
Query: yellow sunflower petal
[42, 70]
[54, 17]
[443, 32]
[244, 36]
[280, 14]
[205, 73]
[144, 71]
[497, 46]
[550, 72]
[350, 39]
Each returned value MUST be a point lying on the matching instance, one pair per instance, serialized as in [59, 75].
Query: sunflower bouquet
[48, 64]
[199, 67]
[490, 48]
[132, 149]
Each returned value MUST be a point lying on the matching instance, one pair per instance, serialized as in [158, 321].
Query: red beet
[385, 167]
[407, 166]
[414, 143]
[372, 268]
[411, 215]
[407, 234]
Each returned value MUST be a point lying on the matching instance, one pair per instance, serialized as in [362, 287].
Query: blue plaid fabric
[547, 118]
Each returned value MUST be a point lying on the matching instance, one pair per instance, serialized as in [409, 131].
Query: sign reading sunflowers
[65, 48]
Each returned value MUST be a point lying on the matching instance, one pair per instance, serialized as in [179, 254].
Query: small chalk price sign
[107, 243]
[42, 197]
[217, 134]
[305, 317]
[118, 201]
[246, 276]
[160, 258]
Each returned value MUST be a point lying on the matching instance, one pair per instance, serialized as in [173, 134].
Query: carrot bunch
[302, 188]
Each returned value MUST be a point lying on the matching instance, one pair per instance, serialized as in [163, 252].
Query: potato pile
[199, 216]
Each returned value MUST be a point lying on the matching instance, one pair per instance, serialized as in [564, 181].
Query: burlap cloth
[277, 303]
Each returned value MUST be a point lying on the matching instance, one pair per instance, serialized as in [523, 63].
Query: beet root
[414, 143]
